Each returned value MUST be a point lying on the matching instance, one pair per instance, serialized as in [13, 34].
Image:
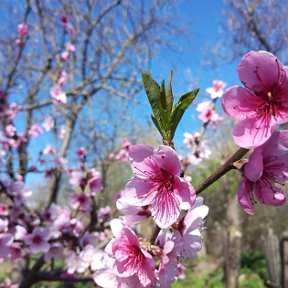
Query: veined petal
[245, 194]
[166, 209]
[138, 154]
[194, 216]
[239, 103]
[268, 194]
[192, 243]
[187, 193]
[167, 159]
[138, 192]
[251, 133]
[254, 168]
[261, 71]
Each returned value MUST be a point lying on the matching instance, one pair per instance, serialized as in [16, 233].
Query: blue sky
[202, 24]
[202, 18]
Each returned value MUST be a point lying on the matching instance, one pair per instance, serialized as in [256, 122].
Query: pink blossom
[48, 150]
[123, 154]
[10, 130]
[35, 131]
[94, 181]
[7, 283]
[16, 252]
[106, 277]
[88, 239]
[90, 257]
[267, 166]
[58, 95]
[168, 253]
[263, 102]
[13, 109]
[62, 79]
[80, 201]
[71, 262]
[216, 119]
[55, 252]
[208, 113]
[64, 19]
[133, 214]
[125, 144]
[70, 47]
[203, 152]
[131, 258]
[217, 89]
[181, 271]
[38, 240]
[4, 210]
[20, 233]
[61, 132]
[22, 29]
[157, 183]
[81, 153]
[60, 218]
[18, 42]
[77, 178]
[77, 226]
[5, 241]
[188, 140]
[48, 123]
[70, 29]
[3, 225]
[188, 236]
[104, 213]
[64, 56]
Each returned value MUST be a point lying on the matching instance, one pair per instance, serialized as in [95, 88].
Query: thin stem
[226, 167]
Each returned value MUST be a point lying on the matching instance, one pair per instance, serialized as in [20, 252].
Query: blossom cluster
[115, 253]
[260, 106]
[156, 191]
[199, 149]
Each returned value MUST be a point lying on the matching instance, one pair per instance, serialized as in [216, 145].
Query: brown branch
[30, 276]
[225, 168]
[253, 25]
[57, 276]
[90, 31]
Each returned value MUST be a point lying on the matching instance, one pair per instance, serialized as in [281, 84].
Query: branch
[225, 168]
[57, 276]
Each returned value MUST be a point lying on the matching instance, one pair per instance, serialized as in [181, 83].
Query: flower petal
[138, 154]
[251, 133]
[187, 193]
[245, 192]
[166, 209]
[261, 71]
[138, 192]
[167, 159]
[240, 103]
[269, 194]
[254, 168]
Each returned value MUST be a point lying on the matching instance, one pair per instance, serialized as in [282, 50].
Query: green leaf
[163, 96]
[153, 93]
[157, 99]
[180, 108]
[158, 126]
[169, 94]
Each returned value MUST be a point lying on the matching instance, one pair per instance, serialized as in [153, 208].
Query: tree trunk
[232, 243]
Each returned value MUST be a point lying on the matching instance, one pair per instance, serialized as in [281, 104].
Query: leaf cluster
[166, 116]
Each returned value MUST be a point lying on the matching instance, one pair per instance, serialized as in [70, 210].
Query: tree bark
[232, 243]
